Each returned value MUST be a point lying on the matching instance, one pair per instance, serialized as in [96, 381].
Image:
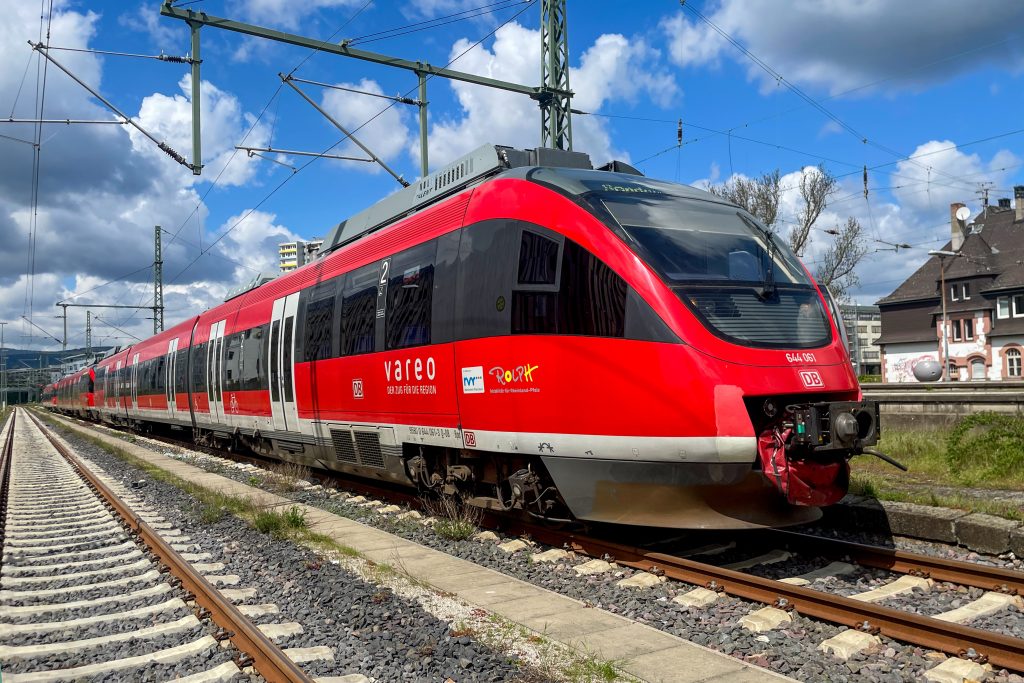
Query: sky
[926, 95]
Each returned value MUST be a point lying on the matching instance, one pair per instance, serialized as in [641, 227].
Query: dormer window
[954, 292]
[965, 291]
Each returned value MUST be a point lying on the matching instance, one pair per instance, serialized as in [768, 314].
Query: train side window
[410, 297]
[253, 372]
[159, 376]
[319, 327]
[275, 335]
[357, 327]
[232, 362]
[198, 366]
[286, 358]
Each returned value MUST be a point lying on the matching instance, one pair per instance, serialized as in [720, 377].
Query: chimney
[1004, 202]
[957, 226]
[1018, 201]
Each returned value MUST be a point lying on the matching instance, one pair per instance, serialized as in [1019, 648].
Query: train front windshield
[742, 282]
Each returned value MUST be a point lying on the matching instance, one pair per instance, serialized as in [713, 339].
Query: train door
[170, 389]
[214, 372]
[282, 367]
[135, 383]
[115, 384]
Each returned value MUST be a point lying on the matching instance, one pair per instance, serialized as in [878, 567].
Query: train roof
[570, 172]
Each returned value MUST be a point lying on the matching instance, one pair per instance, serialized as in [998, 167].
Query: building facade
[863, 328]
[980, 282]
[292, 255]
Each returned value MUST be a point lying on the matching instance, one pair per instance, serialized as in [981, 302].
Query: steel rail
[996, 579]
[1000, 650]
[952, 638]
[5, 476]
[268, 659]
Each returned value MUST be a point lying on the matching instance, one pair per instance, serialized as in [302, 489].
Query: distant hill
[21, 358]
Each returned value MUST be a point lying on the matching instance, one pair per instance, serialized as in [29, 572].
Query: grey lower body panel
[679, 495]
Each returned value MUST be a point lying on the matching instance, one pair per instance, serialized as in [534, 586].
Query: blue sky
[912, 79]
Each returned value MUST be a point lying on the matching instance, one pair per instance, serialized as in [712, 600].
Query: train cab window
[410, 297]
[538, 260]
[590, 299]
[358, 311]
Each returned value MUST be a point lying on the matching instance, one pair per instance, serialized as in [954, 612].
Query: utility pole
[88, 332]
[555, 116]
[158, 285]
[3, 370]
[64, 342]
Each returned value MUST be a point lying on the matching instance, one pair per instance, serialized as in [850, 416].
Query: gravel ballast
[791, 649]
[371, 630]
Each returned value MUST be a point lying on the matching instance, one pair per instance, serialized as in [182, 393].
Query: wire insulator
[679, 133]
[172, 154]
[175, 59]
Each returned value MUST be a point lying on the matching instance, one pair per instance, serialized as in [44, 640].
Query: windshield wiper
[768, 279]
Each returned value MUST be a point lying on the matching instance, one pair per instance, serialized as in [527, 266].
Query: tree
[836, 266]
[759, 196]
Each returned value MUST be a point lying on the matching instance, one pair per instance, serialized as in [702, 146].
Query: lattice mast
[555, 101]
[158, 284]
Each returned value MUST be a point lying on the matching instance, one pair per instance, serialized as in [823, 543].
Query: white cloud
[169, 118]
[939, 175]
[102, 191]
[284, 13]
[614, 68]
[387, 135]
[839, 45]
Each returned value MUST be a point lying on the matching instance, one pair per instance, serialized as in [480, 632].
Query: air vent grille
[368, 444]
[344, 448]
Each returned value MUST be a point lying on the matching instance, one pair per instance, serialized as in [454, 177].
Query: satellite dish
[963, 213]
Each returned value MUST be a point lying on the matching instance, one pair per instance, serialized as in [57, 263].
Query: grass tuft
[455, 520]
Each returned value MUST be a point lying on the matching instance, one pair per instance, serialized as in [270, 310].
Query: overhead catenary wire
[780, 79]
[527, 4]
[436, 22]
[160, 57]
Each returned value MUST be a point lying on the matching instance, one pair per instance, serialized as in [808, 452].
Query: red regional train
[527, 332]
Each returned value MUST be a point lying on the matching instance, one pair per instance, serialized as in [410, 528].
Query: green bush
[986, 446]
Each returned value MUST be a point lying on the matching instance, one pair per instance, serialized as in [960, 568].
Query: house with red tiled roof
[983, 288]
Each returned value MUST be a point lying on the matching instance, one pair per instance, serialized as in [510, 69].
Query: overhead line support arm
[342, 49]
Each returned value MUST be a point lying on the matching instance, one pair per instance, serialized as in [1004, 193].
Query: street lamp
[942, 254]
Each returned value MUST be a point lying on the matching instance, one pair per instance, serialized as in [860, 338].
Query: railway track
[90, 588]
[859, 613]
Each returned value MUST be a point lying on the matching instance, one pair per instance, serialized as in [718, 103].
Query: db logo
[469, 438]
[357, 388]
[811, 379]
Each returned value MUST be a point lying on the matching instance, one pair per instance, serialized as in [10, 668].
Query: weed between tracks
[455, 521]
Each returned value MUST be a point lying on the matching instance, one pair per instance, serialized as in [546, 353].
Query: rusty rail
[954, 571]
[268, 659]
[952, 638]
[956, 639]
[5, 472]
